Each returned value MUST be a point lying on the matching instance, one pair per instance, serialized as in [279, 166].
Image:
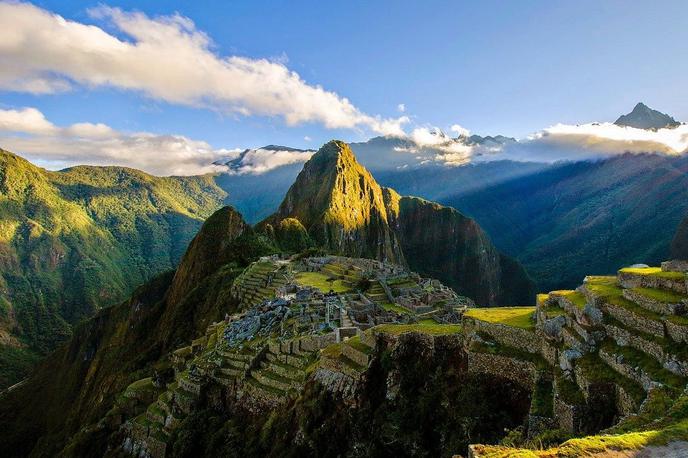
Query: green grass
[393, 307]
[434, 329]
[636, 358]
[543, 399]
[574, 296]
[519, 317]
[355, 342]
[553, 311]
[322, 282]
[661, 295]
[587, 446]
[427, 321]
[608, 289]
[654, 272]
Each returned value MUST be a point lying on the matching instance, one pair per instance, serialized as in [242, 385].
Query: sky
[169, 86]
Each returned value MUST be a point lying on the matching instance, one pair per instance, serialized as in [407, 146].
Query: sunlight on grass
[322, 282]
[519, 317]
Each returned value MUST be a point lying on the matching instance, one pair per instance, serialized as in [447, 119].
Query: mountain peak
[644, 117]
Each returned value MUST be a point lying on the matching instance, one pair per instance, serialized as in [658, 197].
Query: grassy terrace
[434, 329]
[356, 343]
[322, 282]
[553, 311]
[491, 347]
[393, 307]
[668, 345]
[649, 365]
[598, 371]
[519, 317]
[654, 272]
[608, 289]
[587, 446]
[661, 295]
[574, 296]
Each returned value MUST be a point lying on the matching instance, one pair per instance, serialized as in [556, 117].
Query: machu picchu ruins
[588, 361]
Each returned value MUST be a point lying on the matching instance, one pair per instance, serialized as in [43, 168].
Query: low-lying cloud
[560, 142]
[28, 132]
[258, 161]
[165, 58]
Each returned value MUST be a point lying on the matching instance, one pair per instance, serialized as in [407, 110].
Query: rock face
[341, 205]
[344, 210]
[442, 243]
[644, 117]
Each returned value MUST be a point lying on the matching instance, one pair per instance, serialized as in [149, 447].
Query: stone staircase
[376, 293]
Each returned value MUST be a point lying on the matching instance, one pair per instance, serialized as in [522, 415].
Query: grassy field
[393, 307]
[574, 296]
[654, 272]
[519, 317]
[434, 329]
[322, 282]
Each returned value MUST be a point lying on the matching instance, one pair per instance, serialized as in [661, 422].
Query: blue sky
[494, 67]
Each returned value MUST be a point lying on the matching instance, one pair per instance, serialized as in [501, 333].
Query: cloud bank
[560, 142]
[165, 58]
[29, 132]
[260, 160]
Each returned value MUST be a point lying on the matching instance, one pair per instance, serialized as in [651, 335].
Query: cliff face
[346, 211]
[442, 243]
[341, 206]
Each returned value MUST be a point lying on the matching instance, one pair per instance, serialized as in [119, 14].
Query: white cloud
[460, 130]
[26, 120]
[307, 138]
[595, 140]
[165, 58]
[401, 107]
[257, 161]
[29, 133]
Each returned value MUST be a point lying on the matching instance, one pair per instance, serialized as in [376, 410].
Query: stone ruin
[261, 320]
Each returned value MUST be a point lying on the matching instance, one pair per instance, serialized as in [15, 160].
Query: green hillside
[79, 239]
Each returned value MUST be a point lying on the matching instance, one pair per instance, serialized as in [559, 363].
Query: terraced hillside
[610, 355]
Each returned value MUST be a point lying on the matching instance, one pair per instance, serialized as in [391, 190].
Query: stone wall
[677, 332]
[675, 266]
[654, 305]
[633, 280]
[510, 336]
[635, 321]
[634, 373]
[522, 372]
[357, 356]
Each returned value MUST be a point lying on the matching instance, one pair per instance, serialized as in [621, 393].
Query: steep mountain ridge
[82, 238]
[344, 210]
[76, 385]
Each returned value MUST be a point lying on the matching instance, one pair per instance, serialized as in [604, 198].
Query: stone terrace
[590, 356]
